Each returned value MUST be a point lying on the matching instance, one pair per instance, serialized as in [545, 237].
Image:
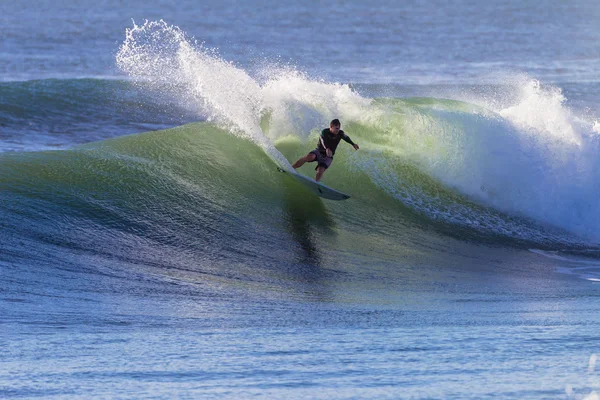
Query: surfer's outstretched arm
[348, 140]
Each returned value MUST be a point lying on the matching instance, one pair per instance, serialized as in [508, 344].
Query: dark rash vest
[332, 141]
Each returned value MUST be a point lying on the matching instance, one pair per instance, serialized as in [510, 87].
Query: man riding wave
[323, 154]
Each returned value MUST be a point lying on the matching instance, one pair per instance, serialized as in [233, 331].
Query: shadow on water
[307, 221]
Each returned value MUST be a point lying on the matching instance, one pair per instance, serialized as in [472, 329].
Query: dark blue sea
[149, 247]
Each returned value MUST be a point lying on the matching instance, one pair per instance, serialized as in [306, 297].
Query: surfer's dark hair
[335, 122]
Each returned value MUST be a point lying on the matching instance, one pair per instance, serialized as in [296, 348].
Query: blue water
[150, 249]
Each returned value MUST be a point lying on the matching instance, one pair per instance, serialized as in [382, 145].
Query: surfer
[323, 154]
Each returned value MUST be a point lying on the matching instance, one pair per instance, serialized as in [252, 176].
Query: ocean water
[149, 248]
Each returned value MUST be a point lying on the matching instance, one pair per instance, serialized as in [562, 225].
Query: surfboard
[316, 187]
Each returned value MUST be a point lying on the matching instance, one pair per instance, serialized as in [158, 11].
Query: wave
[476, 169]
[486, 161]
[200, 191]
[60, 113]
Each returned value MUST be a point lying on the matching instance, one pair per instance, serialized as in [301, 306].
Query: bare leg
[307, 158]
[320, 171]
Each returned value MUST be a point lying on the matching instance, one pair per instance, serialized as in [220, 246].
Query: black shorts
[321, 159]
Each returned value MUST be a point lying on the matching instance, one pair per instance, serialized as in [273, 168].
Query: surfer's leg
[324, 163]
[310, 157]
[320, 171]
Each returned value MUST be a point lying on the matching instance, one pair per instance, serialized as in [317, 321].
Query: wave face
[197, 194]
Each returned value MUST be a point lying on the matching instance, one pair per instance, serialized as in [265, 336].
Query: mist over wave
[491, 161]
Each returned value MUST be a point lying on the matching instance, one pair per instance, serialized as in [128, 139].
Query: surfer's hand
[328, 152]
[356, 147]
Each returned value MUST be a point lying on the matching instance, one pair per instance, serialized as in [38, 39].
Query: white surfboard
[316, 187]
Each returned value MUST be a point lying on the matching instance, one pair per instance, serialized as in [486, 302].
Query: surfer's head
[334, 126]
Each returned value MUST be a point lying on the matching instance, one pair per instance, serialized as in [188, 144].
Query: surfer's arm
[348, 140]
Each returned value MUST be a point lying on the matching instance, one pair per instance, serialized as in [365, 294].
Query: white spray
[164, 58]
